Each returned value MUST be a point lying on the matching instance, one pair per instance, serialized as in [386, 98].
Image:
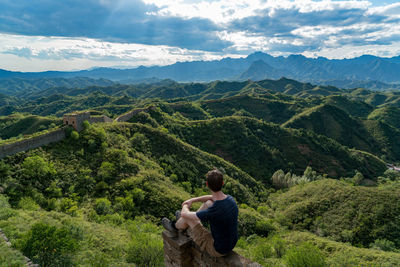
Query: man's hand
[188, 203]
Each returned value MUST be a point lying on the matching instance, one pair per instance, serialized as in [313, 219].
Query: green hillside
[342, 212]
[24, 86]
[59, 100]
[355, 108]
[335, 123]
[106, 189]
[102, 192]
[388, 115]
[6, 100]
[59, 104]
[111, 175]
[261, 148]
[267, 109]
[368, 135]
[386, 136]
[18, 125]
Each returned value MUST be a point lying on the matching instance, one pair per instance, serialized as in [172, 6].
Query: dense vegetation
[305, 163]
[18, 125]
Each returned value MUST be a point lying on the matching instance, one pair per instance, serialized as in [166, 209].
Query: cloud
[285, 27]
[119, 21]
[38, 52]
[279, 20]
[131, 32]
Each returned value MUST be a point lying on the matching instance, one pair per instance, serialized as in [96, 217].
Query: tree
[38, 172]
[107, 172]
[103, 206]
[85, 125]
[74, 135]
[278, 179]
[310, 174]
[358, 177]
[383, 244]
[4, 171]
[48, 245]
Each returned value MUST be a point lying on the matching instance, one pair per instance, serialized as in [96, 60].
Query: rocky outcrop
[181, 251]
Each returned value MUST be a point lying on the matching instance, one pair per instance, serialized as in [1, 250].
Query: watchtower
[76, 119]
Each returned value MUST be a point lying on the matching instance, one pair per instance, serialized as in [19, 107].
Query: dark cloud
[122, 21]
[282, 22]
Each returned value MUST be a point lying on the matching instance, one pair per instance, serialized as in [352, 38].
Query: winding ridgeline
[306, 163]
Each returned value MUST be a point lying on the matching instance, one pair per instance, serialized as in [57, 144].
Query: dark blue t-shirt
[223, 218]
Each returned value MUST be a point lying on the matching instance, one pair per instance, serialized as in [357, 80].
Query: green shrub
[262, 252]
[279, 246]
[103, 206]
[37, 171]
[85, 125]
[68, 206]
[4, 171]
[74, 135]
[145, 251]
[107, 171]
[304, 255]
[27, 203]
[5, 209]
[251, 222]
[48, 245]
[383, 244]
[53, 191]
[101, 188]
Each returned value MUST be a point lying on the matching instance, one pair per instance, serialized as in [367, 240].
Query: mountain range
[364, 71]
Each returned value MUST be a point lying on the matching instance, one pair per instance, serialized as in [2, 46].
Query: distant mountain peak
[258, 53]
[259, 63]
[259, 70]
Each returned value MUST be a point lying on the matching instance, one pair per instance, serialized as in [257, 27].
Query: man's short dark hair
[215, 180]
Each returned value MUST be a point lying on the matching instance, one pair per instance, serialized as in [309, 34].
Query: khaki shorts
[203, 238]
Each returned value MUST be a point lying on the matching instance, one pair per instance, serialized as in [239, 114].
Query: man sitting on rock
[218, 209]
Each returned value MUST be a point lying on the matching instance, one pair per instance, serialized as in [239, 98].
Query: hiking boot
[177, 215]
[170, 227]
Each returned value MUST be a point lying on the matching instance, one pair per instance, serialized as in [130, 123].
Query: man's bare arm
[187, 214]
[197, 199]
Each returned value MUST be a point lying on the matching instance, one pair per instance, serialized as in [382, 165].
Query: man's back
[223, 218]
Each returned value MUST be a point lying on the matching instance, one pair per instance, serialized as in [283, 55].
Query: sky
[38, 35]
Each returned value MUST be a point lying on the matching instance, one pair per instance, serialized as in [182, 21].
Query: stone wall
[127, 116]
[76, 119]
[96, 119]
[181, 251]
[53, 136]
[31, 143]
[71, 119]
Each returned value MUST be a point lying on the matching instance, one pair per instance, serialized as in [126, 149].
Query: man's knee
[193, 223]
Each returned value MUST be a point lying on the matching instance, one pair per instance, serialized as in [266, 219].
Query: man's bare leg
[183, 223]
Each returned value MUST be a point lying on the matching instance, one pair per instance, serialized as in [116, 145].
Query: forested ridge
[306, 164]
